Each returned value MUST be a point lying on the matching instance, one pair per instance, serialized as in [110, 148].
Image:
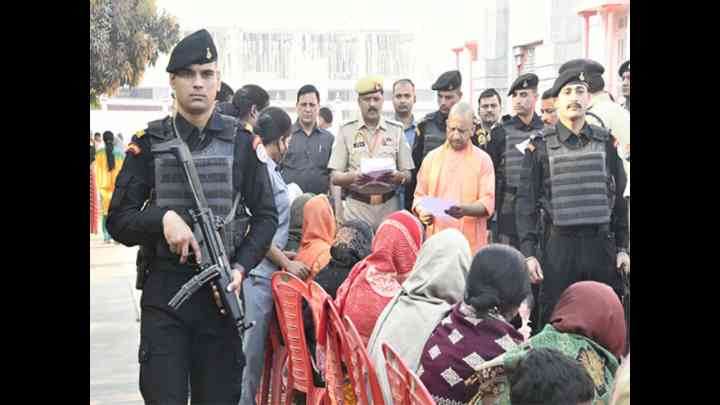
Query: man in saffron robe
[459, 172]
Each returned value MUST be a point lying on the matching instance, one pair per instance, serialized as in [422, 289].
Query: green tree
[125, 37]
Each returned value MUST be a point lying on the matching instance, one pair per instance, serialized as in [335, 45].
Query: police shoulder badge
[133, 149]
[139, 134]
[359, 141]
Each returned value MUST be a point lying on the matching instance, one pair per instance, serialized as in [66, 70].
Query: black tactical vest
[513, 157]
[582, 191]
[433, 134]
[214, 165]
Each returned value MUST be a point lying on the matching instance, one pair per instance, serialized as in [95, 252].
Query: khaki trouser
[373, 215]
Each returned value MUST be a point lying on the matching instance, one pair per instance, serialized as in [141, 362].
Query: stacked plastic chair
[288, 293]
[405, 385]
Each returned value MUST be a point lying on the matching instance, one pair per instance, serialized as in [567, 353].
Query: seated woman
[374, 281]
[297, 209]
[352, 244]
[435, 284]
[318, 234]
[477, 329]
[587, 324]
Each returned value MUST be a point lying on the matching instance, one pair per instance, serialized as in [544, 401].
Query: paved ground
[114, 331]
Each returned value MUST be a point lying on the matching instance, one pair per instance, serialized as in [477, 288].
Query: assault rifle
[215, 267]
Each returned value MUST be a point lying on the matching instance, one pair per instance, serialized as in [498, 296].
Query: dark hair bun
[485, 298]
[498, 278]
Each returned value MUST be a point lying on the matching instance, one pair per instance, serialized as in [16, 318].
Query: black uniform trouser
[573, 254]
[505, 214]
[193, 345]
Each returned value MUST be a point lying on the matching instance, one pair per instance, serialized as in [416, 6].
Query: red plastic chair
[362, 371]
[336, 337]
[288, 294]
[275, 357]
[405, 385]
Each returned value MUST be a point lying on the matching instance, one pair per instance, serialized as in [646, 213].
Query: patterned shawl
[586, 324]
[460, 343]
[436, 283]
[374, 281]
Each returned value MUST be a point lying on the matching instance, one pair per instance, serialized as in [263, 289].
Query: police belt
[580, 230]
[372, 199]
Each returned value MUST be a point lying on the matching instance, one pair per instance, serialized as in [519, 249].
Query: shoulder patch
[483, 137]
[133, 149]
[261, 153]
[248, 127]
[140, 133]
[420, 127]
[600, 133]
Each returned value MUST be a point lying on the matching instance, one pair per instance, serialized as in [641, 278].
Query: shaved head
[460, 125]
[462, 110]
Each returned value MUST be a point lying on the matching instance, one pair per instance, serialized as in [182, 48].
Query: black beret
[195, 49]
[567, 77]
[624, 67]
[587, 65]
[448, 81]
[526, 81]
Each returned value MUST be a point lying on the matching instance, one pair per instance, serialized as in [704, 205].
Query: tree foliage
[125, 37]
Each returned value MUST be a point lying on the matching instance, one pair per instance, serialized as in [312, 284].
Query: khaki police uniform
[355, 142]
